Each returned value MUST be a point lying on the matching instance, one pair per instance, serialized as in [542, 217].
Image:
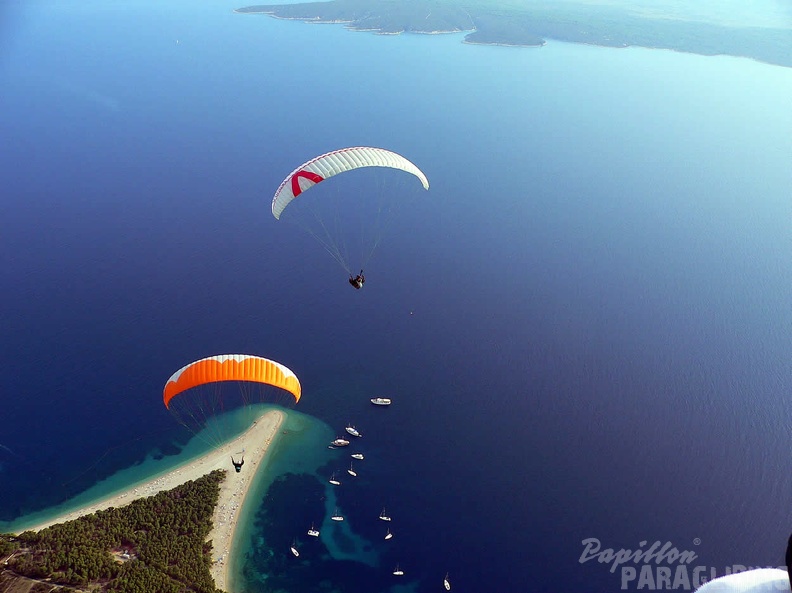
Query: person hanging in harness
[357, 281]
[238, 464]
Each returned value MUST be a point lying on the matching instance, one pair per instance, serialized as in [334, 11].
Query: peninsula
[231, 495]
[673, 25]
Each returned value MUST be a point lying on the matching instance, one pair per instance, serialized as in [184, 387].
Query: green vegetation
[507, 22]
[153, 544]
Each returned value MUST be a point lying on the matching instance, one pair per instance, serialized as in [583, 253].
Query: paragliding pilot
[238, 465]
[357, 281]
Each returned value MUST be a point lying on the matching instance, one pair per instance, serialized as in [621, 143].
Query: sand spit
[253, 443]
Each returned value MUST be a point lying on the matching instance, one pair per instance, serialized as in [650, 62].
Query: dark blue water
[585, 325]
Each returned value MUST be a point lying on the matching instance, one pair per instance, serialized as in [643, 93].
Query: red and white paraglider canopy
[339, 161]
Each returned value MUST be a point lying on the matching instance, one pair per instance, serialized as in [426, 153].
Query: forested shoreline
[152, 544]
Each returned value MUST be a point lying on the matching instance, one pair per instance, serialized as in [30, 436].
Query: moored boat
[353, 431]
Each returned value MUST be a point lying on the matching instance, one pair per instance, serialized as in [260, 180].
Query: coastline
[513, 26]
[253, 443]
[349, 24]
[498, 44]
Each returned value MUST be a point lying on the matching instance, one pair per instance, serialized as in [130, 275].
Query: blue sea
[585, 324]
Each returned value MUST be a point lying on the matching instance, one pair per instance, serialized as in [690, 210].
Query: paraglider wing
[322, 167]
[231, 367]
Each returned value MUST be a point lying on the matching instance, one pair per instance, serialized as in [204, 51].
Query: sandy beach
[253, 443]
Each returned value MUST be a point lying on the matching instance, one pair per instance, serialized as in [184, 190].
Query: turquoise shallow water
[586, 323]
[301, 448]
[230, 425]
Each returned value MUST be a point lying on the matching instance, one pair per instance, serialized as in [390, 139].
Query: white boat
[294, 549]
[446, 583]
[381, 401]
[333, 480]
[337, 516]
[398, 571]
[383, 516]
[388, 535]
[357, 455]
[313, 532]
[351, 471]
[353, 431]
[339, 442]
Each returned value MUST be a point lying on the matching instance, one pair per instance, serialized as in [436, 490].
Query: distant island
[530, 24]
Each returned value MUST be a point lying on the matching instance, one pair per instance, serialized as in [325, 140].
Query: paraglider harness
[238, 465]
[357, 281]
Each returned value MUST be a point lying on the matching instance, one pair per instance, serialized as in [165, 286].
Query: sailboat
[398, 571]
[446, 583]
[388, 535]
[383, 516]
[313, 532]
[333, 480]
[351, 471]
[337, 516]
[294, 549]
